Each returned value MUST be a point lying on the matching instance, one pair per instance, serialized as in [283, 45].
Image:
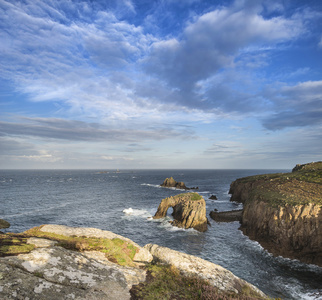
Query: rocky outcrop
[217, 276]
[283, 212]
[189, 211]
[227, 216]
[52, 272]
[213, 197]
[171, 183]
[4, 224]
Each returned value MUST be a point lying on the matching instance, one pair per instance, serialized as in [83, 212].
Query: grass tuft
[115, 250]
[166, 282]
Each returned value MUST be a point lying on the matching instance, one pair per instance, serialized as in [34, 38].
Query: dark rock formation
[4, 224]
[283, 212]
[227, 216]
[213, 197]
[171, 183]
[189, 211]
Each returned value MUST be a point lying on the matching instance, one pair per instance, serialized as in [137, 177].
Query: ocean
[125, 201]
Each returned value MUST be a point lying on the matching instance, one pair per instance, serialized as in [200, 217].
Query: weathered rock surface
[187, 213]
[283, 212]
[53, 272]
[189, 264]
[141, 256]
[227, 216]
[50, 272]
[171, 183]
[4, 224]
[213, 197]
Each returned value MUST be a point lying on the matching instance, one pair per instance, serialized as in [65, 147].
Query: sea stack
[171, 183]
[189, 211]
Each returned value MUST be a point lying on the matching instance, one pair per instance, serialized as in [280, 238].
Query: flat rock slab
[227, 216]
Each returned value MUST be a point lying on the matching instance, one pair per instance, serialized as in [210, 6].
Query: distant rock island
[60, 262]
[189, 211]
[171, 183]
[283, 211]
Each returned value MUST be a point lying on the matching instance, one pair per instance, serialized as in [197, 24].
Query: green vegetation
[190, 196]
[302, 186]
[166, 282]
[13, 244]
[115, 250]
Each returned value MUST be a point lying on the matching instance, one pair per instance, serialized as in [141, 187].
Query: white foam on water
[136, 212]
[153, 185]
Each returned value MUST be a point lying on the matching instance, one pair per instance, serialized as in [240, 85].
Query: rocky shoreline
[67, 263]
[283, 212]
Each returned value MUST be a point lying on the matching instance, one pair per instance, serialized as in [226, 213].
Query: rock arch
[189, 211]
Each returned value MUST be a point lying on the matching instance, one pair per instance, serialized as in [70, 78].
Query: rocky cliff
[284, 211]
[59, 262]
[189, 211]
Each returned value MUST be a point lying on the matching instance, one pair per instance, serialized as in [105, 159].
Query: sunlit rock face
[283, 212]
[189, 211]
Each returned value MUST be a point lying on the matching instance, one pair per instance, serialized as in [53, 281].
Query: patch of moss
[190, 196]
[300, 187]
[115, 250]
[13, 244]
[166, 282]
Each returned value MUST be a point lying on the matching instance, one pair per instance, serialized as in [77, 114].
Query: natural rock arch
[189, 211]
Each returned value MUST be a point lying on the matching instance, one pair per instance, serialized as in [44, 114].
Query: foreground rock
[189, 211]
[52, 272]
[283, 212]
[217, 276]
[171, 183]
[227, 216]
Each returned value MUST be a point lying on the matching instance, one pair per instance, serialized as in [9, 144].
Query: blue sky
[160, 84]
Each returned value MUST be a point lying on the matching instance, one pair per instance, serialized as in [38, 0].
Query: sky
[160, 84]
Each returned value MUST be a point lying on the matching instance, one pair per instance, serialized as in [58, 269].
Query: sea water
[124, 202]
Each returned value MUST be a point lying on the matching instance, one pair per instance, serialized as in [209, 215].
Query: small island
[171, 183]
[189, 211]
[283, 211]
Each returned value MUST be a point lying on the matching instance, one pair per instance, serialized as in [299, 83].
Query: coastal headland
[60, 262]
[283, 211]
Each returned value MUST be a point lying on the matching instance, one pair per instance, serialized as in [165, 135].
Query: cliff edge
[283, 211]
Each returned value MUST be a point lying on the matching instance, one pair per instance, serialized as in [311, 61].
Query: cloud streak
[140, 75]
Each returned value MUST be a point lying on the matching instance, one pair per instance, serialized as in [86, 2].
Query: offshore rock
[217, 276]
[227, 216]
[4, 224]
[171, 183]
[189, 211]
[283, 212]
